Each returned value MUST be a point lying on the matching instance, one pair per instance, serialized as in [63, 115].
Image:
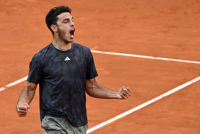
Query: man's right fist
[22, 109]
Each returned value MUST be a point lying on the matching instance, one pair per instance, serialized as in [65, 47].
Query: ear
[54, 28]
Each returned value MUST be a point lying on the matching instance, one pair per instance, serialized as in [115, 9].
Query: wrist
[114, 95]
[21, 102]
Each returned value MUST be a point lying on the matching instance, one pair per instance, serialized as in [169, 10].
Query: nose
[72, 23]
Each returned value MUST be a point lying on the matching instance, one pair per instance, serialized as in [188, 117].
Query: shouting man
[64, 71]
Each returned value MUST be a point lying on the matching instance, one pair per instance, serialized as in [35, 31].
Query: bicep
[31, 86]
[91, 84]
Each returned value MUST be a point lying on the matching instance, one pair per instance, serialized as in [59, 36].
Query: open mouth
[72, 33]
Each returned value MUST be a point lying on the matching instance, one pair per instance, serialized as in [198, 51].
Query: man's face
[66, 27]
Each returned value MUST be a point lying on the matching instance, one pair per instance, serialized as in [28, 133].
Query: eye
[65, 21]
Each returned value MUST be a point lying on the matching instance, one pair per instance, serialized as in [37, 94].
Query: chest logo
[67, 59]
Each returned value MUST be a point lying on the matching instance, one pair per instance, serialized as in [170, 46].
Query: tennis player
[64, 71]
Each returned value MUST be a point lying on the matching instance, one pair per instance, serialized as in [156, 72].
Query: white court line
[143, 105]
[112, 53]
[147, 57]
[14, 83]
[138, 107]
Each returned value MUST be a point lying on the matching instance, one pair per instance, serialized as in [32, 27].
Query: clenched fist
[124, 93]
[22, 109]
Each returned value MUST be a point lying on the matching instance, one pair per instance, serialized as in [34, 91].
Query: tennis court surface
[126, 37]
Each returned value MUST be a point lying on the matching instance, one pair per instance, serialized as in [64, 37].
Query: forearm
[26, 95]
[99, 91]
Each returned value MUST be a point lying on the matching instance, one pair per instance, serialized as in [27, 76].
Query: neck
[62, 45]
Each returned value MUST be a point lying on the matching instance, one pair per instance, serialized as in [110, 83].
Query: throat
[62, 47]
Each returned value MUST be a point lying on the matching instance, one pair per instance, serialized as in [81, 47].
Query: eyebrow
[67, 19]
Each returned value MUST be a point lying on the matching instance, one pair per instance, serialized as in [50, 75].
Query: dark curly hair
[51, 17]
